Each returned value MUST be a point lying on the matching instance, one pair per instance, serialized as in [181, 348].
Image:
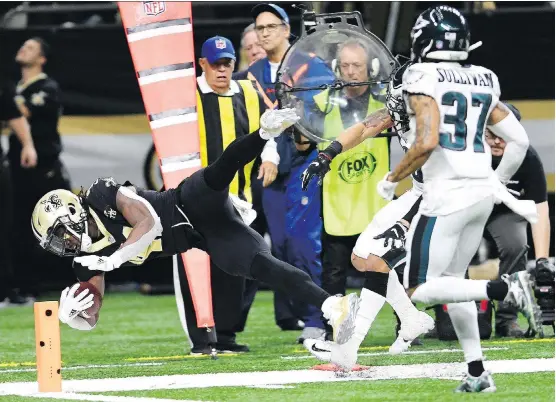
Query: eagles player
[515, 289]
[113, 225]
[450, 104]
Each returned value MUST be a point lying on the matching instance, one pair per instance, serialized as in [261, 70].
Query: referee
[226, 110]
[28, 159]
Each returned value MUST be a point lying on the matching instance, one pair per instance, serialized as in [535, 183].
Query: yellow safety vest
[220, 123]
[350, 200]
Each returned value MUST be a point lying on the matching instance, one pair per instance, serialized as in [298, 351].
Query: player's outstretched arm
[370, 127]
[144, 220]
[146, 227]
[427, 117]
[505, 125]
[374, 124]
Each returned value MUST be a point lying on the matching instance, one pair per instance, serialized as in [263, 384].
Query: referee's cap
[271, 8]
[218, 47]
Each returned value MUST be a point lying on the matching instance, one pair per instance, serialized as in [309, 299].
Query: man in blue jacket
[303, 233]
[273, 30]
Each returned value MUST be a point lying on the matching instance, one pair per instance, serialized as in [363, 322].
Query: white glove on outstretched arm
[96, 263]
[275, 121]
[71, 305]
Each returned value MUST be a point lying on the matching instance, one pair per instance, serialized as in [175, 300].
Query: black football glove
[394, 237]
[319, 167]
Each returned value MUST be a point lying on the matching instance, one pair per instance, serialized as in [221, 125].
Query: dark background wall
[95, 71]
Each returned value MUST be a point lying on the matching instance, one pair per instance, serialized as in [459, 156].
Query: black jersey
[41, 95]
[8, 110]
[177, 233]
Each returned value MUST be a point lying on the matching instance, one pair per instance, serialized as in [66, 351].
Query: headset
[373, 65]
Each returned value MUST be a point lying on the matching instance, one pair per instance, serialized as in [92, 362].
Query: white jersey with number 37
[465, 95]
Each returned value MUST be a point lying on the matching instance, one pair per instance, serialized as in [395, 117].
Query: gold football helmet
[59, 223]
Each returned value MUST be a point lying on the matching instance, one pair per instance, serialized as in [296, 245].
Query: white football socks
[370, 304]
[448, 289]
[464, 320]
[398, 298]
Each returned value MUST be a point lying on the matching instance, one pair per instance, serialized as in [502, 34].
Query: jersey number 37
[458, 141]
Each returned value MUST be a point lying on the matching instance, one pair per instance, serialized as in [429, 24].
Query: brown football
[93, 310]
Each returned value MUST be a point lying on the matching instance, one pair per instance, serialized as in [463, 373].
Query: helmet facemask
[60, 223]
[66, 238]
[394, 98]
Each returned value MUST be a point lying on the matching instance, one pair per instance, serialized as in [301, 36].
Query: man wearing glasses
[272, 27]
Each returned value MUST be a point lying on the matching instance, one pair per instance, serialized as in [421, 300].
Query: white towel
[525, 208]
[245, 209]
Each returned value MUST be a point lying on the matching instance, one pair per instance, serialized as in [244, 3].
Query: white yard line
[88, 366]
[431, 370]
[411, 352]
[102, 398]
[268, 386]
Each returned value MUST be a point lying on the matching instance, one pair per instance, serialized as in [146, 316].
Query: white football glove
[275, 121]
[96, 263]
[71, 305]
[386, 188]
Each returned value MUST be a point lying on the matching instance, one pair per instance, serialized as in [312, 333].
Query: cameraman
[509, 230]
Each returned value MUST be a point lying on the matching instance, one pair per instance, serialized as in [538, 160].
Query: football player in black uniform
[111, 225]
[38, 98]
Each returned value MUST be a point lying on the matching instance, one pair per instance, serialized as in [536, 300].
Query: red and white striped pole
[160, 39]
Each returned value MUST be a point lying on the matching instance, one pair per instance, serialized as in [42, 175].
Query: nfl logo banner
[154, 7]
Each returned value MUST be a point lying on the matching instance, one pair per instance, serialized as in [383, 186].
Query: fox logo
[357, 168]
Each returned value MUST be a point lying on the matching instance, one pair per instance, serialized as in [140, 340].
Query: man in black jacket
[509, 230]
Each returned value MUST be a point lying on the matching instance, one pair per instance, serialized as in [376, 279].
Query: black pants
[232, 296]
[232, 246]
[32, 265]
[336, 261]
[509, 232]
[6, 214]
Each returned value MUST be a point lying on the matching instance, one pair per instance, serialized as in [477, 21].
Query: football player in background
[112, 225]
